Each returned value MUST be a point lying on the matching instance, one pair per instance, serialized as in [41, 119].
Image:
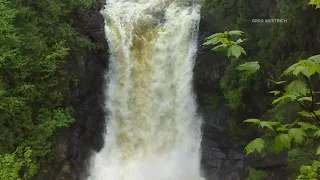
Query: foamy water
[153, 131]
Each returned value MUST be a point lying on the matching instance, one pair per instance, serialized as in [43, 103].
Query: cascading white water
[153, 131]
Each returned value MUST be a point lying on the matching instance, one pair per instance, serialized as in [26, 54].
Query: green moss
[66, 168]
[257, 174]
[299, 156]
[212, 101]
[238, 132]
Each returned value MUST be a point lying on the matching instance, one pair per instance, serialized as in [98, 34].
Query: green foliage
[232, 12]
[297, 134]
[306, 67]
[300, 91]
[307, 126]
[287, 134]
[233, 85]
[255, 145]
[275, 92]
[309, 172]
[299, 156]
[274, 48]
[296, 88]
[231, 46]
[315, 3]
[221, 8]
[257, 174]
[12, 164]
[35, 43]
[249, 67]
[282, 140]
[262, 124]
[235, 50]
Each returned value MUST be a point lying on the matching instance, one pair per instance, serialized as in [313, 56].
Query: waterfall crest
[153, 131]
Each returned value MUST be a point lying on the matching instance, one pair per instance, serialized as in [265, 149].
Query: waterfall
[153, 130]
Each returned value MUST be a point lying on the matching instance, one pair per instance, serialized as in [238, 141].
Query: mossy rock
[255, 174]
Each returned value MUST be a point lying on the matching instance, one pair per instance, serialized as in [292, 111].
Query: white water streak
[153, 131]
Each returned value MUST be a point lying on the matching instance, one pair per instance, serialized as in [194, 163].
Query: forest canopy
[35, 43]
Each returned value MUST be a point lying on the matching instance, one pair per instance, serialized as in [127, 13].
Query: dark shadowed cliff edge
[75, 144]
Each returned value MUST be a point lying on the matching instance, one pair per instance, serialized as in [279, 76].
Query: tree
[298, 87]
[35, 44]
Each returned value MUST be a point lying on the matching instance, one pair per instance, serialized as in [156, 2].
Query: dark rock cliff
[222, 159]
[75, 144]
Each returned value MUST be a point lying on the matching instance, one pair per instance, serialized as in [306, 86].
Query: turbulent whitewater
[153, 131]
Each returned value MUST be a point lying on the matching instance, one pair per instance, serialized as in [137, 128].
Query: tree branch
[306, 108]
[313, 138]
[311, 92]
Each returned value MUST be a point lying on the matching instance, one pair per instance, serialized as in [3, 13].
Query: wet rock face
[87, 133]
[222, 159]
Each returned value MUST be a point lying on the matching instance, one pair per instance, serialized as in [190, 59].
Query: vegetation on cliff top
[35, 42]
